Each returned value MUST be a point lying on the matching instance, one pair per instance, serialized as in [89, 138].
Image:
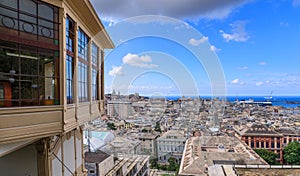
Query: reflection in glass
[31, 83]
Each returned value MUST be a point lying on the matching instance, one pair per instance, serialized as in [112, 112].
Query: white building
[119, 108]
[171, 144]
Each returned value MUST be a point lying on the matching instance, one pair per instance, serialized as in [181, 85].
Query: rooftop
[258, 129]
[95, 157]
[204, 151]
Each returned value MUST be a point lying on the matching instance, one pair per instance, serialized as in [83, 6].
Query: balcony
[77, 115]
[34, 122]
[26, 123]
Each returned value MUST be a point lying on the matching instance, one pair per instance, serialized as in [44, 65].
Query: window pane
[28, 6]
[34, 80]
[82, 82]
[46, 28]
[10, 3]
[45, 12]
[94, 55]
[69, 79]
[29, 61]
[8, 18]
[82, 44]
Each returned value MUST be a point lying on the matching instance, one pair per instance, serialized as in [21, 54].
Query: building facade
[51, 83]
[98, 163]
[102, 164]
[170, 144]
[130, 165]
[148, 144]
[119, 108]
[258, 136]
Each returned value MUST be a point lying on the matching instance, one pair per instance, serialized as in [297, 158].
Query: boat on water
[251, 101]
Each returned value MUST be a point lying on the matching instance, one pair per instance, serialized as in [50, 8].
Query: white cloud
[196, 42]
[238, 33]
[134, 60]
[235, 81]
[242, 83]
[138, 61]
[214, 49]
[244, 68]
[259, 83]
[187, 9]
[284, 24]
[116, 71]
[296, 3]
[262, 63]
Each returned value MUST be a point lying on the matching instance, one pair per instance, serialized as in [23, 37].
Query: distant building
[98, 163]
[122, 145]
[157, 105]
[289, 134]
[171, 144]
[259, 136]
[102, 164]
[148, 144]
[130, 165]
[119, 108]
[206, 154]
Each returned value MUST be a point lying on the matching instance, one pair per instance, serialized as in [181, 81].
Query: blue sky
[204, 47]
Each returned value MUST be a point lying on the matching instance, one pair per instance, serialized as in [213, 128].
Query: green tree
[292, 153]
[173, 166]
[153, 163]
[268, 156]
[157, 127]
[111, 126]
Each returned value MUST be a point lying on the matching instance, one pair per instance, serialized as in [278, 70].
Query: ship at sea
[267, 101]
[251, 101]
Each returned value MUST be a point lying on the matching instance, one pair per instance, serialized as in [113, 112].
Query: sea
[285, 101]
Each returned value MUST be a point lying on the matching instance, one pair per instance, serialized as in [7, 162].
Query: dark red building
[259, 136]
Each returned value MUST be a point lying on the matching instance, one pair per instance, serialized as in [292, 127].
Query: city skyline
[255, 44]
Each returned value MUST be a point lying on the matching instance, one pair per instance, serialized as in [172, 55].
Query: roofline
[100, 24]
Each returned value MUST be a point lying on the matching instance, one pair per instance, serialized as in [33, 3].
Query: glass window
[95, 58]
[82, 45]
[252, 144]
[26, 19]
[10, 3]
[101, 60]
[82, 82]
[31, 17]
[35, 82]
[69, 34]
[28, 6]
[69, 59]
[94, 84]
[69, 79]
[82, 66]
[94, 54]
[1, 92]
[45, 11]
